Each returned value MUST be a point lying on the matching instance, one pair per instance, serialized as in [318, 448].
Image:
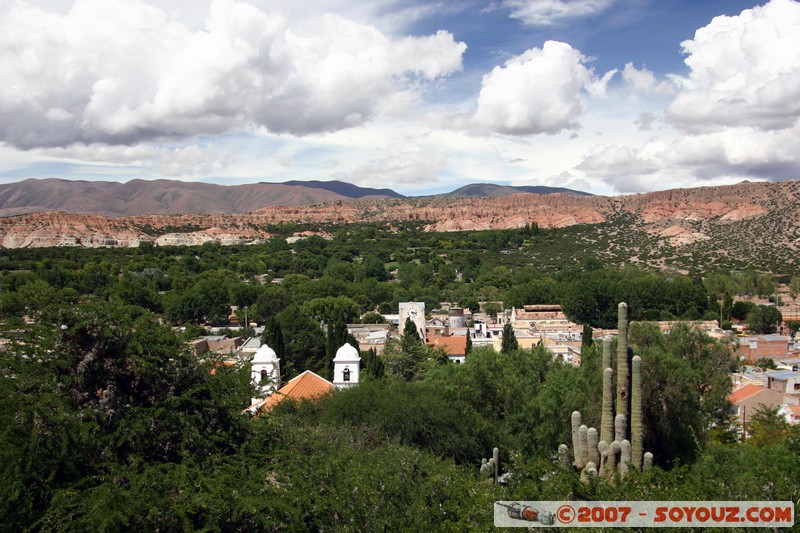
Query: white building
[346, 367]
[416, 312]
[265, 371]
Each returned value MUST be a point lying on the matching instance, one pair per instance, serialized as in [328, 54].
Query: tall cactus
[622, 360]
[563, 456]
[611, 451]
[620, 422]
[490, 469]
[576, 446]
[647, 463]
[607, 349]
[624, 457]
[592, 442]
[583, 445]
[607, 419]
[496, 460]
[636, 412]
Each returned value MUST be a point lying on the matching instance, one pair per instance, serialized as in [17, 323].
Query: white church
[265, 370]
[346, 366]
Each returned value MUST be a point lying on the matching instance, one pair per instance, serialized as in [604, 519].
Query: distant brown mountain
[749, 225]
[492, 190]
[167, 197]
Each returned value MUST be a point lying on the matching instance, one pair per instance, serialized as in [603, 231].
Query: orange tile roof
[794, 409]
[213, 371]
[306, 386]
[452, 345]
[745, 392]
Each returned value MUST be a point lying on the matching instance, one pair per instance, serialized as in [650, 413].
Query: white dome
[265, 354]
[347, 353]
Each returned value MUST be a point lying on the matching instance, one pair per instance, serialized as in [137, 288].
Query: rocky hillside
[750, 223]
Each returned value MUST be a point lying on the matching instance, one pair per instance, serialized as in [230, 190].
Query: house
[456, 318]
[306, 386]
[569, 351]
[791, 413]
[757, 346]
[436, 328]
[216, 345]
[543, 318]
[370, 336]
[748, 399]
[250, 346]
[784, 381]
[455, 347]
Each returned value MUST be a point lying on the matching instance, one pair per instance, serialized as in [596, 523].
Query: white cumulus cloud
[744, 71]
[643, 80]
[536, 92]
[122, 72]
[716, 157]
[406, 165]
[549, 12]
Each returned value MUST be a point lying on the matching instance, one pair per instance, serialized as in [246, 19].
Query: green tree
[766, 363]
[332, 309]
[371, 317]
[409, 358]
[105, 393]
[492, 309]
[410, 339]
[373, 364]
[685, 383]
[273, 337]
[373, 267]
[764, 319]
[271, 300]
[304, 342]
[741, 309]
[509, 343]
[766, 427]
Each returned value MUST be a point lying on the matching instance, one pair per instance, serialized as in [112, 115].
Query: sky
[604, 96]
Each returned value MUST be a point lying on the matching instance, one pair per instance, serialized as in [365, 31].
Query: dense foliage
[363, 269]
[107, 422]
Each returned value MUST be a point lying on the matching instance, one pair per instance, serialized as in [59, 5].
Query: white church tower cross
[345, 367]
[265, 370]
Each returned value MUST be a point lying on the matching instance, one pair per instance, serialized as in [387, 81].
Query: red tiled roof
[213, 371]
[745, 392]
[794, 409]
[306, 386]
[452, 345]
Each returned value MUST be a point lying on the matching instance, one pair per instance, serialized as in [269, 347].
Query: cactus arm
[576, 448]
[583, 445]
[622, 360]
[636, 412]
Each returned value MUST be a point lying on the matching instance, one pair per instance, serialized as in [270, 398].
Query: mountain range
[171, 197]
[748, 225]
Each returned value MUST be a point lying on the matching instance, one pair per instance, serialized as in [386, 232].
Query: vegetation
[108, 422]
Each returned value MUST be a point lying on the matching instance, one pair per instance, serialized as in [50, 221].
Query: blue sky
[605, 96]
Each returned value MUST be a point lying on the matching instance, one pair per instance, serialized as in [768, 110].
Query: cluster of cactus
[610, 451]
[490, 469]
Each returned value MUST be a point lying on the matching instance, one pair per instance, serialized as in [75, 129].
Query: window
[264, 375]
[346, 374]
